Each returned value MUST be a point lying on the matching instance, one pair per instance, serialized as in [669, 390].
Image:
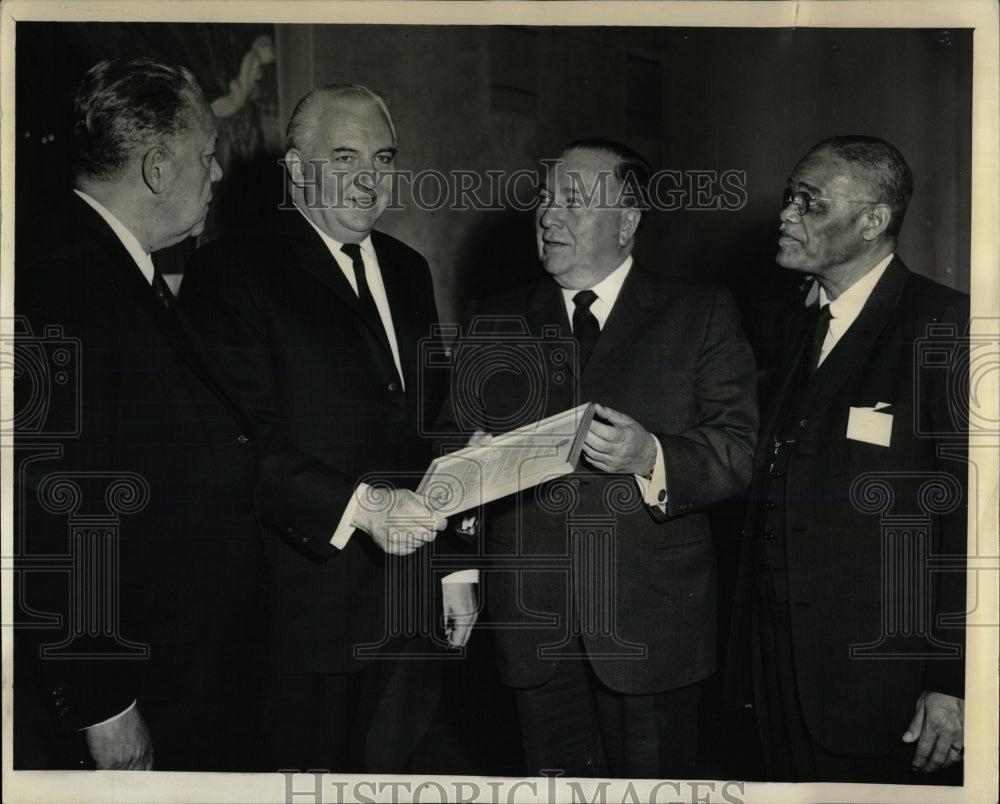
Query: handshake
[400, 521]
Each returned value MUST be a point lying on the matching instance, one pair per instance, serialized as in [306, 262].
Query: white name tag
[870, 426]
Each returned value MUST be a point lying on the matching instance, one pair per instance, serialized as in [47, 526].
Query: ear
[296, 166]
[628, 225]
[154, 168]
[875, 221]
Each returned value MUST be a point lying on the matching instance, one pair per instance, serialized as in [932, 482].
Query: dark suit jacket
[124, 370]
[843, 498]
[318, 377]
[672, 356]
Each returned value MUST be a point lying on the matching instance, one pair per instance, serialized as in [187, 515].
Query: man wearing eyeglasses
[851, 594]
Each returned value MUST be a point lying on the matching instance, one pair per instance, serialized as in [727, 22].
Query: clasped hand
[398, 520]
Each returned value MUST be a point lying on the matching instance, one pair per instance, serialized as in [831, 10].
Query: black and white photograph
[500, 402]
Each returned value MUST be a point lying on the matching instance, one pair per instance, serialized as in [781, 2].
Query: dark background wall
[689, 99]
[499, 98]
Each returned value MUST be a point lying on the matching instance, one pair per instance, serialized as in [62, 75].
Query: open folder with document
[509, 463]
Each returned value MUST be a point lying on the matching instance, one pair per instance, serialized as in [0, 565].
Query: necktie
[819, 335]
[162, 291]
[353, 250]
[585, 326]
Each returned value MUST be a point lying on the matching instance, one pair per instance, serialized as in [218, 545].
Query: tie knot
[825, 313]
[352, 250]
[584, 299]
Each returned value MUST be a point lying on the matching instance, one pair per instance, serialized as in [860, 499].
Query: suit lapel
[401, 304]
[124, 277]
[853, 349]
[632, 308]
[315, 259]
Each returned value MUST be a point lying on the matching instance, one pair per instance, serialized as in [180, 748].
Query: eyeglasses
[802, 202]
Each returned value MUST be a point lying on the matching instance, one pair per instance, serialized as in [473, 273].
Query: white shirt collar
[607, 291]
[139, 255]
[335, 245]
[845, 309]
[849, 303]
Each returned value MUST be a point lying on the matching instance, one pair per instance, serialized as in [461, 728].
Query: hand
[621, 446]
[121, 744]
[399, 521]
[468, 526]
[460, 612]
[939, 723]
[479, 438]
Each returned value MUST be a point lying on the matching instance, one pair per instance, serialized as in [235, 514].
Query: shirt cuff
[654, 489]
[113, 718]
[462, 576]
[342, 535]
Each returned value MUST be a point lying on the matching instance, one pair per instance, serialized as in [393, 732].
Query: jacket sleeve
[95, 680]
[945, 415]
[714, 459]
[299, 496]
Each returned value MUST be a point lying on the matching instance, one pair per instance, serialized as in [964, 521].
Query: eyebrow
[346, 150]
[811, 187]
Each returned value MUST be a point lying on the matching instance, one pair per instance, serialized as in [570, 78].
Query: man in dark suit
[141, 563]
[852, 577]
[602, 591]
[318, 321]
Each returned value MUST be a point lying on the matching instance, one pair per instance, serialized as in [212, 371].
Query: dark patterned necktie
[819, 336]
[585, 326]
[162, 291]
[353, 250]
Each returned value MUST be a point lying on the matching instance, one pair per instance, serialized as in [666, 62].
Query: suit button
[775, 472]
[242, 440]
[804, 422]
[575, 481]
[394, 386]
[662, 496]
[291, 531]
[770, 505]
[769, 535]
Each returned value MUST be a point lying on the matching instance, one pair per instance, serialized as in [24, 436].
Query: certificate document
[511, 462]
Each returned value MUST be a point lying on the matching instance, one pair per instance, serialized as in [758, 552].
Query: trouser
[575, 724]
[367, 721]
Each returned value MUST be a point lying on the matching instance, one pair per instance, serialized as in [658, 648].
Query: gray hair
[301, 127]
[123, 105]
[880, 166]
